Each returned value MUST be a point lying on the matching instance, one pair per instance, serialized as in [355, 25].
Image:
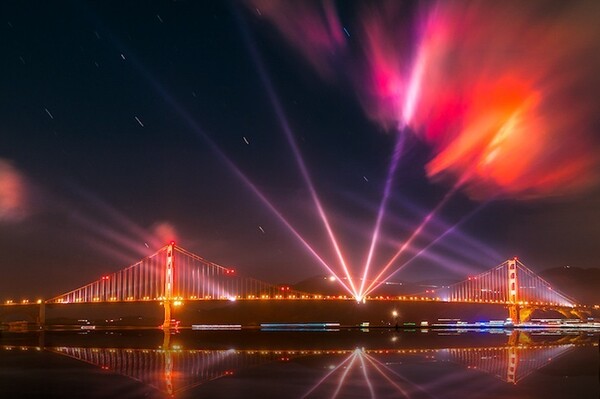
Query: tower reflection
[381, 369]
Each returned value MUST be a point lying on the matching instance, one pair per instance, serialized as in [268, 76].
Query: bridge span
[174, 276]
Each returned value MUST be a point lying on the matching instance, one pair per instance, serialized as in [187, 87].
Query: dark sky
[127, 124]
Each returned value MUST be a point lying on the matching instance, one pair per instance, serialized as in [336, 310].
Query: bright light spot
[332, 278]
[232, 298]
[177, 303]
[395, 313]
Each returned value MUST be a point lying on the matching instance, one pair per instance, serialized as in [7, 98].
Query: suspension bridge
[174, 275]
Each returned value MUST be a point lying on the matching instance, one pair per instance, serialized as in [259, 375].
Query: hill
[577, 283]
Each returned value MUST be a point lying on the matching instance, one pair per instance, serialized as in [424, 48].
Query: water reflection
[377, 365]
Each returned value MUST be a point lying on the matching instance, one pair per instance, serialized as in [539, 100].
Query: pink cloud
[165, 232]
[13, 193]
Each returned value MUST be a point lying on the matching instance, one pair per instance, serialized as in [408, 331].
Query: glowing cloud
[165, 232]
[504, 92]
[313, 28]
[508, 104]
[13, 193]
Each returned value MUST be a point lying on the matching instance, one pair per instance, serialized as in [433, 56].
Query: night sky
[127, 124]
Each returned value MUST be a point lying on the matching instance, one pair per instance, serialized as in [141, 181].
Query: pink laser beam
[382, 207]
[322, 380]
[283, 121]
[364, 369]
[374, 362]
[448, 230]
[412, 237]
[344, 375]
[169, 99]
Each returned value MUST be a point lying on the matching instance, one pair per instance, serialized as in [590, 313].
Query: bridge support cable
[513, 284]
[171, 275]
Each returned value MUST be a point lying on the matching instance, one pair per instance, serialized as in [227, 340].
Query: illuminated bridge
[173, 275]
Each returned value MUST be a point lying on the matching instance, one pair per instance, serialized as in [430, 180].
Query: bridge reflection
[172, 369]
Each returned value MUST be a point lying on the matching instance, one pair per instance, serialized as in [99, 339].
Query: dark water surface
[340, 364]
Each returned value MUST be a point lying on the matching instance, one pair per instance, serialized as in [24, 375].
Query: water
[354, 363]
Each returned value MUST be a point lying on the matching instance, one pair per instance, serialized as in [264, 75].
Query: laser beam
[382, 207]
[412, 237]
[285, 126]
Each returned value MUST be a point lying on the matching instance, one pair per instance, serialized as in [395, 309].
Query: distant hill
[324, 286]
[577, 283]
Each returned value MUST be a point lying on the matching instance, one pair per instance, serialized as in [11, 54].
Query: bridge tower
[513, 306]
[168, 297]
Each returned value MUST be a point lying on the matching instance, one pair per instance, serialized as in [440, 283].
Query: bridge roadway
[347, 312]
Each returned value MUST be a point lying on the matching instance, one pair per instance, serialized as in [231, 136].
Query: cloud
[311, 27]
[505, 93]
[165, 232]
[509, 97]
[14, 194]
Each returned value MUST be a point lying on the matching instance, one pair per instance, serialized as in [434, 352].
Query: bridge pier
[519, 313]
[41, 320]
[525, 314]
[42, 339]
[167, 320]
[513, 313]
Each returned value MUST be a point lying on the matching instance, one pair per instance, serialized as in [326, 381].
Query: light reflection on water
[344, 364]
